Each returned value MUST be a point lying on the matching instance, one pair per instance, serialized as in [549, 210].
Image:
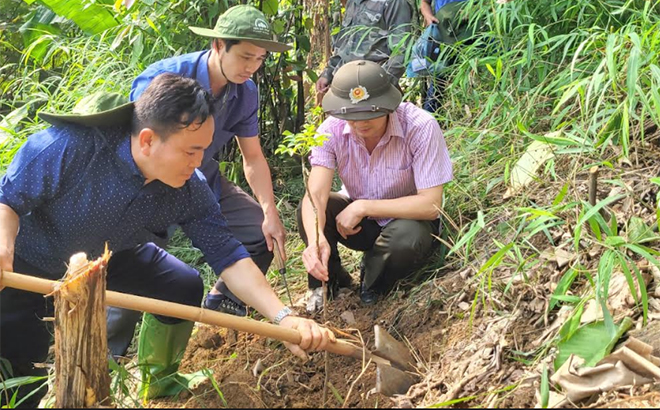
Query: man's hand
[427, 12]
[312, 336]
[6, 260]
[429, 19]
[274, 230]
[349, 219]
[322, 85]
[315, 266]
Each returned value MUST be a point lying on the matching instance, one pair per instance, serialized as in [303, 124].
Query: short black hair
[229, 43]
[171, 103]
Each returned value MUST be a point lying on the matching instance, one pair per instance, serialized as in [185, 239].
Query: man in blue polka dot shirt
[105, 177]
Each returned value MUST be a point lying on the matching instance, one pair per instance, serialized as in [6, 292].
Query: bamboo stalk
[593, 191]
[192, 313]
[81, 361]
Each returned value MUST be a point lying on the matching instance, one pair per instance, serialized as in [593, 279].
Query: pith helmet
[361, 90]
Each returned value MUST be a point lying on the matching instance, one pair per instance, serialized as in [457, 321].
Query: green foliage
[545, 387]
[591, 342]
[209, 374]
[92, 17]
[301, 143]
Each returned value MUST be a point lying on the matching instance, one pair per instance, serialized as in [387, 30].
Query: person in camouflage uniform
[374, 30]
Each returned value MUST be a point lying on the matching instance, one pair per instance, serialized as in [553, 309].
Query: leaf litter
[489, 354]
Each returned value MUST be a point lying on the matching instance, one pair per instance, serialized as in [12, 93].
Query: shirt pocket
[398, 182]
[399, 167]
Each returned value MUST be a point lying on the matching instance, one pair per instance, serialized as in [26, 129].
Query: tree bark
[81, 351]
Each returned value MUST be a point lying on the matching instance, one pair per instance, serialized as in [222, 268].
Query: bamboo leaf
[591, 342]
[545, 387]
[592, 210]
[562, 287]
[524, 171]
[561, 195]
[91, 17]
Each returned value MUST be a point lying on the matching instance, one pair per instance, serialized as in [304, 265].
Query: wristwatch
[286, 311]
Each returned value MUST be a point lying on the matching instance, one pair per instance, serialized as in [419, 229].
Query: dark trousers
[435, 93]
[244, 218]
[391, 252]
[146, 270]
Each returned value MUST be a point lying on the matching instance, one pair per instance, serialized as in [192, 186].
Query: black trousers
[244, 218]
[391, 252]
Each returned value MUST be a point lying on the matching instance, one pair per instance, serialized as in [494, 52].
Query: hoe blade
[395, 379]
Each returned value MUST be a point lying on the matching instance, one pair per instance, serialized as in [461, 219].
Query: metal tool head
[281, 267]
[398, 378]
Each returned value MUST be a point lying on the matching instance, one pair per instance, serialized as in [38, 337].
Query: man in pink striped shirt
[393, 161]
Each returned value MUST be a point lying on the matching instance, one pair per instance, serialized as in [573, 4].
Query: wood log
[81, 352]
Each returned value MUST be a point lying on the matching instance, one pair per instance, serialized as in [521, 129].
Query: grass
[580, 76]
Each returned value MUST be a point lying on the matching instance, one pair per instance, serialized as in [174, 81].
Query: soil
[477, 343]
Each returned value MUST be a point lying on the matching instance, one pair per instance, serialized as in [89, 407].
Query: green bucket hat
[244, 22]
[361, 90]
[100, 109]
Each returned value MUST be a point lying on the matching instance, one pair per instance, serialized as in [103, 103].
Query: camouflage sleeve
[332, 66]
[398, 18]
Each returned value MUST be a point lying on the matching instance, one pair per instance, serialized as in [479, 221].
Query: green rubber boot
[160, 350]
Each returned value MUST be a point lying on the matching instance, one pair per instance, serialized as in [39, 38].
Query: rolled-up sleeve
[325, 155]
[248, 126]
[208, 230]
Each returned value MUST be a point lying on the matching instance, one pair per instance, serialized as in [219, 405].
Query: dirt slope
[483, 358]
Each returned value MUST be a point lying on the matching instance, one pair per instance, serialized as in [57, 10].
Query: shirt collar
[202, 73]
[125, 157]
[394, 126]
[204, 78]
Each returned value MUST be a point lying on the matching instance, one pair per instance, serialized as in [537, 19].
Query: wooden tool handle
[279, 263]
[195, 314]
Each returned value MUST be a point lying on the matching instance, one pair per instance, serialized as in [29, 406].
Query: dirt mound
[480, 335]
[256, 372]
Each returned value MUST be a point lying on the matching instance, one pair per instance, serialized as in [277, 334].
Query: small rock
[464, 306]
[348, 317]
[211, 341]
[258, 368]
[344, 293]
[402, 402]
[232, 336]
[654, 304]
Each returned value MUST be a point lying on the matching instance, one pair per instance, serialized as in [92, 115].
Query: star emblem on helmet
[358, 94]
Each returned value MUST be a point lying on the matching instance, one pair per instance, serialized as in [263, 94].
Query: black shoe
[368, 297]
[222, 303]
[344, 279]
